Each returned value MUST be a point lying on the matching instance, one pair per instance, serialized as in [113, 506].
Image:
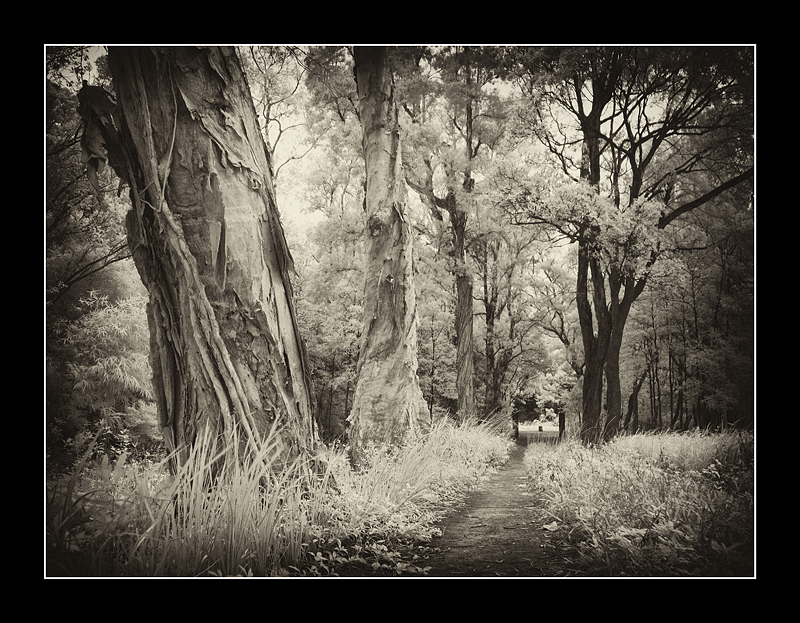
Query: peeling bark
[207, 241]
[388, 405]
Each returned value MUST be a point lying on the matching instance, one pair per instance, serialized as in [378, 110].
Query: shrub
[651, 504]
[99, 379]
[240, 518]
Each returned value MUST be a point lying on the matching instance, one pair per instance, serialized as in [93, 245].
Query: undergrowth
[650, 505]
[316, 516]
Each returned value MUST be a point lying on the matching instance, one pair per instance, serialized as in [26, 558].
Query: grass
[237, 518]
[650, 505]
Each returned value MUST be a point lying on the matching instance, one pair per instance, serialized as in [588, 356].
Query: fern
[99, 368]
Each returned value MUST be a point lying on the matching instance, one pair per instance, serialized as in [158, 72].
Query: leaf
[119, 468]
[668, 553]
[719, 547]
[552, 527]
[105, 470]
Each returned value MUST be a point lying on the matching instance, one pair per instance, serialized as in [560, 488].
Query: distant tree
[554, 303]
[436, 335]
[329, 79]
[441, 170]
[276, 75]
[505, 258]
[330, 312]
[695, 323]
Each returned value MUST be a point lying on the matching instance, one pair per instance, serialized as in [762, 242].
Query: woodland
[289, 250]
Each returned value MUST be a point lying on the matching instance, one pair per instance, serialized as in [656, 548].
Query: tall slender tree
[470, 124]
[388, 405]
[208, 244]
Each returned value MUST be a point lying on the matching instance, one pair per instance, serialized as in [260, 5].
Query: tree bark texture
[465, 358]
[207, 241]
[595, 343]
[498, 357]
[388, 405]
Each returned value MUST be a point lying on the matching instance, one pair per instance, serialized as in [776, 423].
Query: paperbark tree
[207, 241]
[388, 405]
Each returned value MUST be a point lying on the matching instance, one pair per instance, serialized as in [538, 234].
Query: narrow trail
[498, 533]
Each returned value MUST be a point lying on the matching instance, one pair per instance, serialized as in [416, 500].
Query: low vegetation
[663, 504]
[115, 518]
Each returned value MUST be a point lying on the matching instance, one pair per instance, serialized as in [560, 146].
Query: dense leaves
[99, 378]
[650, 505]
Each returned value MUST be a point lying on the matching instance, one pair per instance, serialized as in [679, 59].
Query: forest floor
[498, 532]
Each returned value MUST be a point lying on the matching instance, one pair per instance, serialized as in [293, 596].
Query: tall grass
[396, 482]
[223, 517]
[212, 517]
[238, 517]
[663, 504]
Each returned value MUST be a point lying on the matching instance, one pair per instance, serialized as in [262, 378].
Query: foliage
[524, 156]
[67, 65]
[313, 517]
[693, 331]
[436, 331]
[658, 129]
[667, 504]
[110, 343]
[92, 511]
[84, 230]
[330, 81]
[399, 483]
[99, 378]
[330, 279]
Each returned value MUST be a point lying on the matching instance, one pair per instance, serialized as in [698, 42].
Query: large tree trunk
[595, 345]
[207, 241]
[388, 404]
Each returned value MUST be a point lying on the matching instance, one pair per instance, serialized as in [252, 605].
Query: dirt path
[497, 534]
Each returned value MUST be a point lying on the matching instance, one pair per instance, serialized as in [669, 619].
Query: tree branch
[118, 253]
[686, 207]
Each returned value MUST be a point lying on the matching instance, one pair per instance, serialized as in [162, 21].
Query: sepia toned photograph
[400, 311]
